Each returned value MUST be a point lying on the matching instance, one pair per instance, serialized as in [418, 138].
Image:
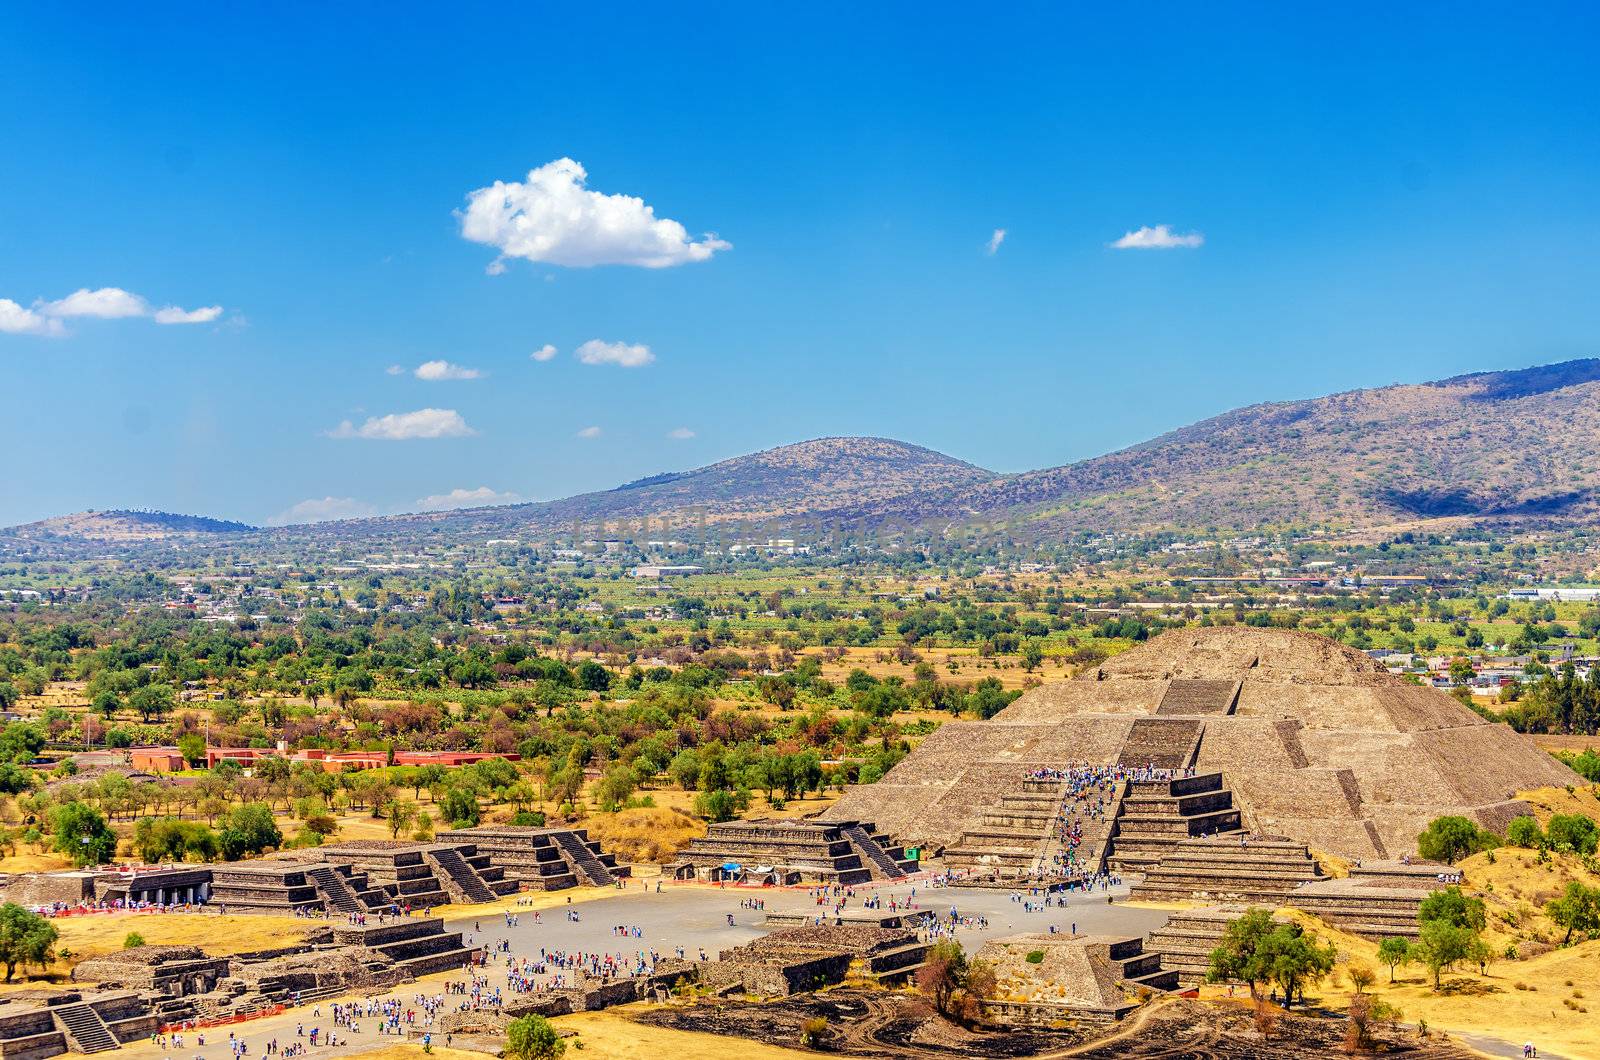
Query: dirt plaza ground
[693, 916]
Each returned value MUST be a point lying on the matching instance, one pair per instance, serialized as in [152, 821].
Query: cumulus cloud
[1158, 237]
[174, 315]
[619, 353]
[322, 509]
[395, 369]
[107, 303]
[465, 498]
[553, 217]
[441, 371]
[546, 352]
[405, 426]
[995, 241]
[680, 434]
[104, 303]
[15, 320]
[589, 432]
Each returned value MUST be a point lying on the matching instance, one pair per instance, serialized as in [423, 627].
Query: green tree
[1394, 951]
[249, 829]
[1450, 906]
[532, 1038]
[1441, 945]
[25, 938]
[1448, 839]
[193, 748]
[593, 677]
[1573, 830]
[153, 702]
[1577, 910]
[1236, 957]
[459, 806]
[81, 833]
[21, 741]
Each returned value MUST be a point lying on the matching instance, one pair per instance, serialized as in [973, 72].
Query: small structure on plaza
[791, 960]
[36, 1024]
[787, 851]
[1042, 980]
[542, 859]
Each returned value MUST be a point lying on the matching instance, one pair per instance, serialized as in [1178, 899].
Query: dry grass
[609, 1035]
[1546, 802]
[650, 833]
[93, 936]
[25, 860]
[1492, 1005]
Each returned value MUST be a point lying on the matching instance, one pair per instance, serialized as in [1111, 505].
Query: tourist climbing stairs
[334, 890]
[1094, 832]
[458, 876]
[882, 863]
[582, 859]
[84, 1028]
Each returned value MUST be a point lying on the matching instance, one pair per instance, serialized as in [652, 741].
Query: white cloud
[680, 434]
[619, 353]
[589, 432]
[395, 369]
[1159, 237]
[173, 315]
[464, 498]
[546, 352]
[995, 241]
[322, 509]
[108, 303]
[554, 218]
[404, 426]
[105, 303]
[440, 371]
[15, 320]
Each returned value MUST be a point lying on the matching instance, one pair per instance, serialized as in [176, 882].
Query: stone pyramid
[1317, 741]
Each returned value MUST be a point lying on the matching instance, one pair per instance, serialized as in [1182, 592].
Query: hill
[126, 526]
[1514, 445]
[1491, 445]
[804, 480]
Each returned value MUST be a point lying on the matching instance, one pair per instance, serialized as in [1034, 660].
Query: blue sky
[1383, 195]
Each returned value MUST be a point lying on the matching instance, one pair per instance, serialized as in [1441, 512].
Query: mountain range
[1512, 445]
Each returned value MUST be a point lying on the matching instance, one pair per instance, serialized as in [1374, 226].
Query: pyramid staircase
[1141, 969]
[85, 1030]
[1231, 867]
[582, 859]
[458, 877]
[881, 864]
[1155, 815]
[1009, 837]
[335, 890]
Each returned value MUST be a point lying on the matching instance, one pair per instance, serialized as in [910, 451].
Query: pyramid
[1316, 740]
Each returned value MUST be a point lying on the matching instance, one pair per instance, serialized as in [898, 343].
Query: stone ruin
[1042, 980]
[845, 852]
[1291, 735]
[792, 960]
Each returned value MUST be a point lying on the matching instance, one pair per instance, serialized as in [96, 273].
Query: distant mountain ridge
[127, 526]
[1522, 444]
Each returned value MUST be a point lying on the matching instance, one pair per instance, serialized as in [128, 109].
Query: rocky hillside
[1499, 445]
[805, 481]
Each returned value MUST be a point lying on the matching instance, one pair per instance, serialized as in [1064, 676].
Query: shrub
[1574, 831]
[1524, 832]
[1035, 957]
[532, 1038]
[133, 941]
